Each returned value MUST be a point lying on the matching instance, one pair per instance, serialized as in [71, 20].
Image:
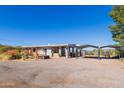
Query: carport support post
[66, 52]
[76, 52]
[73, 52]
[60, 52]
[36, 52]
[98, 52]
[45, 50]
[79, 52]
[121, 50]
[119, 53]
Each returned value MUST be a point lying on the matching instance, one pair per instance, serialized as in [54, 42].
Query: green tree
[117, 29]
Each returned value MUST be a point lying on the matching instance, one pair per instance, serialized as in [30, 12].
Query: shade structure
[111, 46]
[86, 46]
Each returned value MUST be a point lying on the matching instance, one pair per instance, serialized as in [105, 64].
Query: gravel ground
[61, 72]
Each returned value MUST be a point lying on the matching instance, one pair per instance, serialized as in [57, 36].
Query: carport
[92, 46]
[118, 48]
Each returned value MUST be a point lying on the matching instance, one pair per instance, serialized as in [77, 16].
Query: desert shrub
[5, 56]
[5, 48]
[9, 52]
[16, 56]
[27, 56]
[30, 56]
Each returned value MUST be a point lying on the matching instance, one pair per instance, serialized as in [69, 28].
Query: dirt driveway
[73, 72]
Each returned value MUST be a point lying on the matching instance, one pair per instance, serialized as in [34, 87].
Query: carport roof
[85, 46]
[111, 46]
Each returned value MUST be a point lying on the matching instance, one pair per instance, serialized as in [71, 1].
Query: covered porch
[51, 51]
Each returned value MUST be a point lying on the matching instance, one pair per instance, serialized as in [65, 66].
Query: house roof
[70, 45]
[49, 46]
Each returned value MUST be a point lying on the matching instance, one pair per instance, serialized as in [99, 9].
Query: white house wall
[41, 51]
[49, 52]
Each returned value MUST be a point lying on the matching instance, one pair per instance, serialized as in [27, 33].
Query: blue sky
[41, 25]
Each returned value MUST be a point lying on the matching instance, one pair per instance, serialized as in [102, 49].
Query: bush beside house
[9, 52]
